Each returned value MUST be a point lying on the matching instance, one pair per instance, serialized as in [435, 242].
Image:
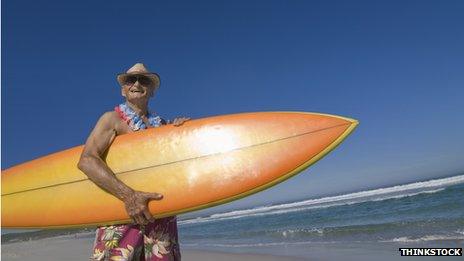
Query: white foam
[253, 245]
[269, 244]
[395, 192]
[410, 194]
[395, 240]
[424, 238]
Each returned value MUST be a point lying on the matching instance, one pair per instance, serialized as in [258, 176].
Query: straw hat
[139, 69]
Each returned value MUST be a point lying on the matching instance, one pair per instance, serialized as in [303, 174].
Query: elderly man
[146, 238]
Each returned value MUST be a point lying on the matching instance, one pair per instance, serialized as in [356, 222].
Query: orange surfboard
[203, 163]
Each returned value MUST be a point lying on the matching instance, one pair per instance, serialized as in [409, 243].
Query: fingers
[142, 218]
[179, 121]
[148, 215]
[138, 207]
[153, 196]
[136, 213]
[137, 219]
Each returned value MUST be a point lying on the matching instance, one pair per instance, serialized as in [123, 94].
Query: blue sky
[396, 66]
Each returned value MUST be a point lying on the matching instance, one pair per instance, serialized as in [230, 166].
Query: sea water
[429, 211]
[362, 224]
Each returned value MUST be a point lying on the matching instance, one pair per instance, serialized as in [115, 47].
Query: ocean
[422, 213]
[353, 226]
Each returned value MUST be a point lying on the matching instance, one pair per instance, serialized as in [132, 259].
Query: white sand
[73, 248]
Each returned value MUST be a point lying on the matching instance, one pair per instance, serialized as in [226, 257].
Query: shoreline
[78, 247]
[75, 248]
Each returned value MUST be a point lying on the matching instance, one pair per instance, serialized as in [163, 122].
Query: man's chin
[136, 100]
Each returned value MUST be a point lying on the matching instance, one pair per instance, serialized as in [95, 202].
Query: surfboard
[203, 163]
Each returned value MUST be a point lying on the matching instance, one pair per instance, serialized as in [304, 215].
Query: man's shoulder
[109, 118]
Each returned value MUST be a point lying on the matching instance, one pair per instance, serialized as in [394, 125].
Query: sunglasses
[143, 80]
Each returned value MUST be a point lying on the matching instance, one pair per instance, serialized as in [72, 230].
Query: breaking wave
[394, 192]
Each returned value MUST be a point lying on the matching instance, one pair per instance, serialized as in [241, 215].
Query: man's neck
[140, 109]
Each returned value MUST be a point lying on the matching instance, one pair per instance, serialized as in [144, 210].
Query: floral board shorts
[157, 240]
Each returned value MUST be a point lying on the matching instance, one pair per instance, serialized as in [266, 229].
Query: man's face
[137, 88]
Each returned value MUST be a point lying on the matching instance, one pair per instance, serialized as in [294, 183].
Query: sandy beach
[75, 248]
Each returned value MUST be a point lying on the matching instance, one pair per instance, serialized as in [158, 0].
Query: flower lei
[134, 121]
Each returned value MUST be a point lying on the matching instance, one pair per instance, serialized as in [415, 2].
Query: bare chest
[122, 128]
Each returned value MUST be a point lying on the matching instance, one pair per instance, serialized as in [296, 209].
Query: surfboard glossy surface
[203, 163]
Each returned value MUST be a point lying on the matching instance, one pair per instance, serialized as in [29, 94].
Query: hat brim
[154, 77]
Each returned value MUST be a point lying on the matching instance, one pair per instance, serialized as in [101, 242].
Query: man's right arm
[92, 164]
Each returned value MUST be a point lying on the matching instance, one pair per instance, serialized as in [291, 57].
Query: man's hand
[179, 121]
[137, 206]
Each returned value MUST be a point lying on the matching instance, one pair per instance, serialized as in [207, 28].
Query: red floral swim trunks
[157, 240]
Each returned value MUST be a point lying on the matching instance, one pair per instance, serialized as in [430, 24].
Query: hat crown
[138, 68]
